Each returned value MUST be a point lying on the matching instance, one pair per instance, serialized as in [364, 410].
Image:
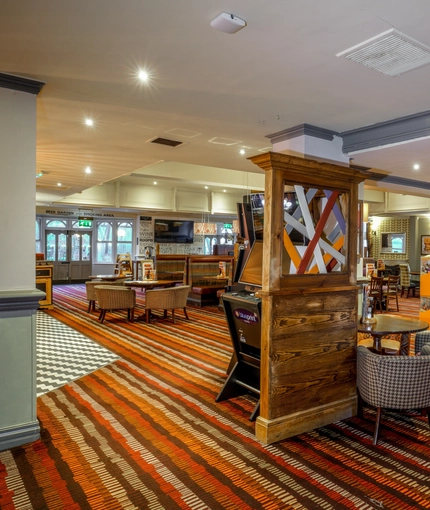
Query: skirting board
[17, 436]
[271, 431]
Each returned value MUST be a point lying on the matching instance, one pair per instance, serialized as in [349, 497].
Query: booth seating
[172, 267]
[202, 278]
[91, 293]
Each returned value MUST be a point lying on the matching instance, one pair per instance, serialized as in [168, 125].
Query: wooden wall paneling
[308, 345]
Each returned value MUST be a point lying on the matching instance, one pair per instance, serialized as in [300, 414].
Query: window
[104, 242]
[55, 224]
[113, 238]
[38, 237]
[124, 234]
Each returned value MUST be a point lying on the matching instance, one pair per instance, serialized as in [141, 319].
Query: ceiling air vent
[391, 53]
[166, 141]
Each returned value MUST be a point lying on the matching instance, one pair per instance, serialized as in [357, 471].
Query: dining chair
[115, 298]
[375, 291]
[405, 280]
[391, 291]
[167, 299]
[392, 382]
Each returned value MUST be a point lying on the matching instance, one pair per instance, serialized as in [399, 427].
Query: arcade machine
[242, 309]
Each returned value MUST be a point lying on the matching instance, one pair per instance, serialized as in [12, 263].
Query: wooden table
[151, 284]
[392, 324]
[106, 277]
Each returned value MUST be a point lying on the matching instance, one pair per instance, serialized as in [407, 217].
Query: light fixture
[206, 187]
[88, 170]
[59, 184]
[416, 166]
[155, 183]
[242, 151]
[143, 75]
[228, 23]
[89, 122]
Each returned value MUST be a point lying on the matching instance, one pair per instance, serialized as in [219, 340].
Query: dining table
[150, 284]
[386, 324]
[107, 277]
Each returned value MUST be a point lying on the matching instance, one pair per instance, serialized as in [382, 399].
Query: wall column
[19, 299]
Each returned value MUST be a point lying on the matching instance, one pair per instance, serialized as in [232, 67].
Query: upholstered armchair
[91, 293]
[167, 299]
[112, 297]
[392, 382]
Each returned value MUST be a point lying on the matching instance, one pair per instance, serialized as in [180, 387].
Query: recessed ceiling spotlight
[206, 187]
[58, 183]
[416, 166]
[88, 170]
[242, 151]
[155, 182]
[89, 122]
[143, 75]
[224, 191]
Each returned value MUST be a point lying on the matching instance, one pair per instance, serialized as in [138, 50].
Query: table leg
[404, 344]
[377, 343]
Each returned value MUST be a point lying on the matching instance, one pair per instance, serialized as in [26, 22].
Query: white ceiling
[206, 86]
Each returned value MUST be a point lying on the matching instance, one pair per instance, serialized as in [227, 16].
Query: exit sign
[228, 225]
[85, 223]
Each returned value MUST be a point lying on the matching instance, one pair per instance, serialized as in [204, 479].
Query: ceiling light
[206, 187]
[228, 23]
[89, 122]
[58, 183]
[416, 166]
[242, 151]
[155, 182]
[88, 170]
[224, 191]
[143, 76]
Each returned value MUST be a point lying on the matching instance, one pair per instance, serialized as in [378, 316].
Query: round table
[392, 324]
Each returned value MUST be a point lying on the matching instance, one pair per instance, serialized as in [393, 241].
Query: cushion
[425, 351]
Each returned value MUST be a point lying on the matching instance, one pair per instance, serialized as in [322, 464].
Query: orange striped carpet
[146, 433]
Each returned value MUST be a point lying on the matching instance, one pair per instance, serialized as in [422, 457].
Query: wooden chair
[391, 291]
[405, 280]
[392, 382]
[111, 297]
[375, 291]
[167, 299]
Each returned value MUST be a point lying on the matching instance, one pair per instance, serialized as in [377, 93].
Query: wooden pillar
[309, 309]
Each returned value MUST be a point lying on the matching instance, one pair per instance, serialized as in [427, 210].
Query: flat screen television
[173, 231]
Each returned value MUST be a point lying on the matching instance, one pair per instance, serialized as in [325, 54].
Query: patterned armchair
[392, 382]
[111, 297]
[167, 299]
[405, 280]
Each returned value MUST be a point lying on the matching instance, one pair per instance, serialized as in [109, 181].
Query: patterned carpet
[145, 432]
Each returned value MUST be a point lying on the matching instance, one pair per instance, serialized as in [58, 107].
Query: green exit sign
[85, 223]
[228, 225]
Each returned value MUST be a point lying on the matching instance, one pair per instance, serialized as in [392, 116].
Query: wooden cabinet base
[271, 431]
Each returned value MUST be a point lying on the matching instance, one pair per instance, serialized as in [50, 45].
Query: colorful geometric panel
[314, 230]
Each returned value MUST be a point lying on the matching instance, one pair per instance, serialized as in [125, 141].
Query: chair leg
[360, 405]
[147, 315]
[131, 314]
[185, 312]
[173, 315]
[102, 315]
[89, 306]
[377, 422]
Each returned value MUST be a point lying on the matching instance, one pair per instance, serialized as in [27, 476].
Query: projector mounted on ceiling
[228, 23]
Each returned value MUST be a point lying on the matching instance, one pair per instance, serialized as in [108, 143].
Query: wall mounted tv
[173, 231]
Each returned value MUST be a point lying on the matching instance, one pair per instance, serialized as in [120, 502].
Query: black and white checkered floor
[64, 355]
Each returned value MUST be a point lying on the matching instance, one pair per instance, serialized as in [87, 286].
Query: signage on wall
[228, 225]
[85, 223]
[146, 218]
